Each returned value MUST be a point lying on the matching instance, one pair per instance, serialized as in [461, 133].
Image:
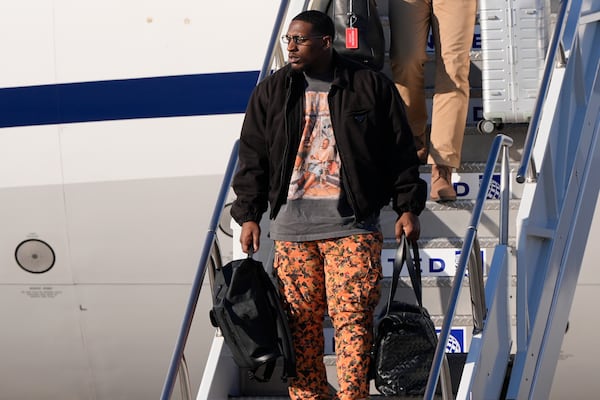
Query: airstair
[500, 264]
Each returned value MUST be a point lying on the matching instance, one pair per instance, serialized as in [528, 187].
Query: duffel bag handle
[413, 263]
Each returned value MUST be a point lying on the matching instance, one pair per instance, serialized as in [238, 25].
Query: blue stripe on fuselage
[169, 96]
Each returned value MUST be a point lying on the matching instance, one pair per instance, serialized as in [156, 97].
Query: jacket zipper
[286, 150]
[346, 179]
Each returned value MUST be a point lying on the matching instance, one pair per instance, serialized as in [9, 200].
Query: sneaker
[441, 184]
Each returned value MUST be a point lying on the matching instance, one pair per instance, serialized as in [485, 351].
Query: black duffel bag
[405, 337]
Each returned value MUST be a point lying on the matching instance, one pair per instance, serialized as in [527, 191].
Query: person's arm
[409, 193]
[250, 182]
[408, 223]
[250, 237]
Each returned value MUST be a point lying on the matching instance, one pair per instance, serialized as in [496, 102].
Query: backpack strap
[285, 335]
[267, 373]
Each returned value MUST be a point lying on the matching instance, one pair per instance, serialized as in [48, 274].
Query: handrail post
[504, 196]
[501, 141]
[212, 231]
[268, 61]
[526, 168]
[440, 349]
[475, 271]
[199, 277]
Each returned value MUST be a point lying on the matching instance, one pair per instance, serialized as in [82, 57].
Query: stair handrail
[527, 169]
[501, 142]
[273, 49]
[177, 358]
[559, 212]
[199, 277]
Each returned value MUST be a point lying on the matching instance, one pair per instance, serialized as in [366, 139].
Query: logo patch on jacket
[360, 117]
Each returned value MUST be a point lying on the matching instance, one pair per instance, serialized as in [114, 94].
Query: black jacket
[373, 138]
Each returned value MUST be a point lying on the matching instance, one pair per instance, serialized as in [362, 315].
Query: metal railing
[178, 364]
[207, 251]
[274, 49]
[468, 257]
[527, 168]
[561, 205]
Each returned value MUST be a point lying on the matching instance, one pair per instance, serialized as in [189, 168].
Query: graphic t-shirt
[317, 207]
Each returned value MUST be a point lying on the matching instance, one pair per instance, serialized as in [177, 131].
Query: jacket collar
[343, 68]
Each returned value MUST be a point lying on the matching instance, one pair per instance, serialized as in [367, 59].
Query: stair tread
[469, 167]
[448, 242]
[462, 204]
[372, 396]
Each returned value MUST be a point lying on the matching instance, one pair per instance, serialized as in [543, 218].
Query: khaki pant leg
[409, 28]
[453, 27]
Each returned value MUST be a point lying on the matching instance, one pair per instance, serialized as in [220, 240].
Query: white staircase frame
[557, 211]
[553, 223]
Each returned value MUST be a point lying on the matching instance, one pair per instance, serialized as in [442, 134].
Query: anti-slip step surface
[451, 219]
[372, 396]
[439, 258]
[448, 242]
[467, 180]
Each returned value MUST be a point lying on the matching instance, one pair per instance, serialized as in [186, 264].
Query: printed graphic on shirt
[317, 168]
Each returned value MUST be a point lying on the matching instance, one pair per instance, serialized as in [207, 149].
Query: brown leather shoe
[422, 154]
[441, 184]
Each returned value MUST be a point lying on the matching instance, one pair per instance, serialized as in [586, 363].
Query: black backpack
[360, 17]
[249, 312]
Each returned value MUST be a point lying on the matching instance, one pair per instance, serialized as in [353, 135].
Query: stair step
[448, 243]
[456, 362]
[467, 180]
[372, 396]
[477, 145]
[438, 257]
[461, 332]
[259, 397]
[451, 219]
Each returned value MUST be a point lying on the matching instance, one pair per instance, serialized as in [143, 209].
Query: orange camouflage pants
[340, 276]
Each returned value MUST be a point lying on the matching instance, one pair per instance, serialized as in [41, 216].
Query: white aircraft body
[117, 120]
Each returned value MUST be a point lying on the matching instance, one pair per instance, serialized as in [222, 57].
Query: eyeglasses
[297, 39]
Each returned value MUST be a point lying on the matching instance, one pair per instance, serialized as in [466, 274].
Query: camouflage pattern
[340, 276]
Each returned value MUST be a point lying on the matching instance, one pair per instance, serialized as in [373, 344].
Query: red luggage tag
[351, 38]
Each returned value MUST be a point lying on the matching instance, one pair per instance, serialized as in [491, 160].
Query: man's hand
[410, 225]
[250, 237]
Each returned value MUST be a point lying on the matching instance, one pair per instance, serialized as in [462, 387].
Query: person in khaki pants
[452, 23]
